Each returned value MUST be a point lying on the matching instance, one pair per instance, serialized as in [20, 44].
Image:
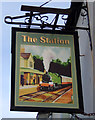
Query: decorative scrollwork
[44, 17]
[26, 20]
[8, 19]
[40, 18]
[64, 17]
[84, 13]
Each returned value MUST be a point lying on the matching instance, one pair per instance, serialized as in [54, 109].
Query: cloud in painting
[48, 55]
[52, 52]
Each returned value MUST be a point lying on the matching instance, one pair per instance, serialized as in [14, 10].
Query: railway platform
[26, 89]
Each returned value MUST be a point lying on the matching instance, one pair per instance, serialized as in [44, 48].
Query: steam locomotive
[53, 81]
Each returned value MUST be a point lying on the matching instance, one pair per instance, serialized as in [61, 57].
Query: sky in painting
[62, 53]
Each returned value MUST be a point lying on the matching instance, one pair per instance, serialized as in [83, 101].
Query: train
[53, 81]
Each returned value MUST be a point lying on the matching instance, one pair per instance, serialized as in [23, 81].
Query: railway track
[45, 96]
[61, 95]
[32, 95]
[53, 98]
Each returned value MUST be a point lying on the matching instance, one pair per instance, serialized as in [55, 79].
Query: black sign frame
[14, 107]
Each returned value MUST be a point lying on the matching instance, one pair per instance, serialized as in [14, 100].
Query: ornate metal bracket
[49, 18]
[40, 16]
[43, 17]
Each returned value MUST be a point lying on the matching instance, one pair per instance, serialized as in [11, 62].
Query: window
[30, 64]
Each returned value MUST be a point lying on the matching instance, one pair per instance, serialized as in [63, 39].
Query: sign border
[78, 72]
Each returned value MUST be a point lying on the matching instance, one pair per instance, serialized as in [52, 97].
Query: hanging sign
[45, 71]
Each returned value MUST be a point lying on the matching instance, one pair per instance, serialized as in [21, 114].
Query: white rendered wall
[86, 63]
[91, 6]
[94, 57]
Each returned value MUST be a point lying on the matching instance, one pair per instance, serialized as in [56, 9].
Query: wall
[86, 61]
[21, 62]
[93, 57]
[31, 60]
[91, 6]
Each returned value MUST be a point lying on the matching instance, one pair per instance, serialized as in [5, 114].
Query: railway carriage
[66, 80]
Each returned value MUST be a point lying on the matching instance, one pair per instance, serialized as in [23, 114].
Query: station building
[28, 75]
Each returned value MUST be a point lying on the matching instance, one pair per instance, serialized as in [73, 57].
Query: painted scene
[45, 74]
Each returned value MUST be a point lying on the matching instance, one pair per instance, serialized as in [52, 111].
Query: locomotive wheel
[48, 88]
[52, 88]
[41, 88]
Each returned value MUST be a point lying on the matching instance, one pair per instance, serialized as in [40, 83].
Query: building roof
[25, 55]
[23, 69]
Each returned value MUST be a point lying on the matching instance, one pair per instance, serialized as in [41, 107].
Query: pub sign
[45, 71]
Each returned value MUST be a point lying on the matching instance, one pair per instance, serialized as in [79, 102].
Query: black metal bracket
[85, 14]
[48, 18]
[39, 16]
[43, 17]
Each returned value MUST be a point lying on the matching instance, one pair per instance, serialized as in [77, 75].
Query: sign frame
[36, 108]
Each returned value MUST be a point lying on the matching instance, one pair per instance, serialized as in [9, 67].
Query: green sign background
[19, 42]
